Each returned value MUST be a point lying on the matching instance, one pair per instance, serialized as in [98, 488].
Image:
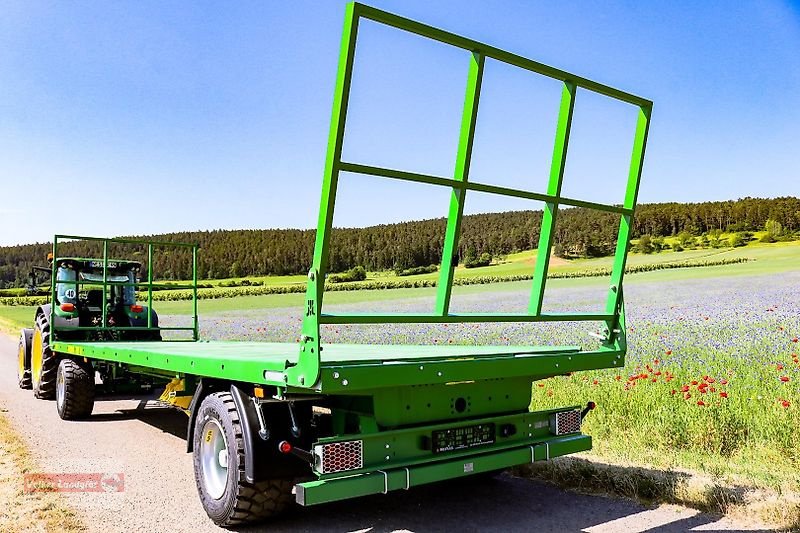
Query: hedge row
[389, 283]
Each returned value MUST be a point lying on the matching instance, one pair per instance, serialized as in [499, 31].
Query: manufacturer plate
[448, 440]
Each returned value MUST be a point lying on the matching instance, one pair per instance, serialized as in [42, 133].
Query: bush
[354, 274]
[417, 270]
[485, 259]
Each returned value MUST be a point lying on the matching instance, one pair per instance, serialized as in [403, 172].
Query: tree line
[405, 245]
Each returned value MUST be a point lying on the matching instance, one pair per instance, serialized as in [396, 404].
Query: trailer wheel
[44, 363]
[74, 390]
[24, 359]
[228, 499]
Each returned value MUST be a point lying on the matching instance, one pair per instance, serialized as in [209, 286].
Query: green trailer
[315, 422]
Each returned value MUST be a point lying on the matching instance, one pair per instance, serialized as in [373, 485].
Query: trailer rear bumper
[383, 481]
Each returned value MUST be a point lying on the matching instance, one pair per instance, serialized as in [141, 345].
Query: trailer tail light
[565, 422]
[67, 307]
[339, 456]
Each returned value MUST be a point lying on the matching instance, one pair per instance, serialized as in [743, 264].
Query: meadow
[711, 381]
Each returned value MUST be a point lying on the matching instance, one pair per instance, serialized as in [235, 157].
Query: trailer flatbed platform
[266, 362]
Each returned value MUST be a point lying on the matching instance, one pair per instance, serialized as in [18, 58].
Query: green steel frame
[308, 368]
[149, 284]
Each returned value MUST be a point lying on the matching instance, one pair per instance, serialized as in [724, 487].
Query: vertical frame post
[149, 285]
[53, 289]
[469, 118]
[105, 283]
[553, 189]
[307, 370]
[614, 300]
[196, 334]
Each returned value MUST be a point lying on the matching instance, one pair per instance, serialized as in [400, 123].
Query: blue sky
[120, 118]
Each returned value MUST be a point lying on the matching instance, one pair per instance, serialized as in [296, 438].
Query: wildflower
[617, 377]
[779, 366]
[794, 340]
[694, 382]
[785, 404]
[673, 392]
[540, 385]
[701, 403]
[723, 381]
[685, 388]
[595, 382]
[785, 379]
[687, 396]
[712, 389]
[668, 352]
[656, 361]
[723, 394]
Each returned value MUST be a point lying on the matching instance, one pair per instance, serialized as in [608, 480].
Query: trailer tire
[24, 359]
[44, 362]
[74, 390]
[228, 499]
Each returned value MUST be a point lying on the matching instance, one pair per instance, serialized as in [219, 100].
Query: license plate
[448, 440]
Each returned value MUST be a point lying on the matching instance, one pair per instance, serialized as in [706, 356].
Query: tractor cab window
[129, 292]
[67, 292]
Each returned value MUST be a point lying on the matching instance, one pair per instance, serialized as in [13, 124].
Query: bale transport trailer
[316, 422]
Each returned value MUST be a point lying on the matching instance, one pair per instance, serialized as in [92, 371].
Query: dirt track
[145, 442]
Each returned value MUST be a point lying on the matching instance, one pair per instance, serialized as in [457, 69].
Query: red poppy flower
[668, 352]
[540, 385]
[595, 382]
[785, 404]
[618, 378]
[723, 394]
[785, 379]
[685, 388]
[711, 380]
[673, 392]
[712, 389]
[779, 366]
[687, 396]
[701, 403]
[723, 382]
[694, 382]
[656, 361]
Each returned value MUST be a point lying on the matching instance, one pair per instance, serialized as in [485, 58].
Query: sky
[132, 118]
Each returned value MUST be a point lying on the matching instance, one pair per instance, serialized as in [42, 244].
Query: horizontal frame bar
[122, 241]
[479, 187]
[465, 43]
[433, 318]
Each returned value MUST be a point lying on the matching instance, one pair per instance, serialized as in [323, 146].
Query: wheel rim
[214, 459]
[61, 385]
[36, 357]
[21, 362]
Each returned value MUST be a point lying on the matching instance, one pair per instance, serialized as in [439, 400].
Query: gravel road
[145, 443]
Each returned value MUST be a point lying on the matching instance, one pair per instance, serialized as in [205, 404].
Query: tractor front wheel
[219, 456]
[24, 359]
[74, 390]
[44, 363]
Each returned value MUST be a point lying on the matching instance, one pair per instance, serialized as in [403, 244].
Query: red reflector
[285, 447]
[68, 307]
[137, 309]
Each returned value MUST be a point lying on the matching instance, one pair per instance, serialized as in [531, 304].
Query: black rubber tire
[24, 359]
[78, 390]
[241, 502]
[44, 385]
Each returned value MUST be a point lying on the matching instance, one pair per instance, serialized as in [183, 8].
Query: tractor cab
[88, 292]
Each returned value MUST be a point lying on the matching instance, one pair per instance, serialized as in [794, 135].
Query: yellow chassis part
[172, 395]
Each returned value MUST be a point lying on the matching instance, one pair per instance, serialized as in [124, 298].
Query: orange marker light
[67, 307]
[137, 309]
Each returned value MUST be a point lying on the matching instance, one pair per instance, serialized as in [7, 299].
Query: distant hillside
[580, 232]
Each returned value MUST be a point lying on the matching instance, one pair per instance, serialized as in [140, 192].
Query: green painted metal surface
[149, 285]
[308, 368]
[385, 480]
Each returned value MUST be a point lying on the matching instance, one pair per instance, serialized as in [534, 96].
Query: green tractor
[83, 295]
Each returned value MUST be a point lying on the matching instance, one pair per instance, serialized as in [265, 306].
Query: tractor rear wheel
[24, 359]
[44, 363]
[74, 390]
[227, 498]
